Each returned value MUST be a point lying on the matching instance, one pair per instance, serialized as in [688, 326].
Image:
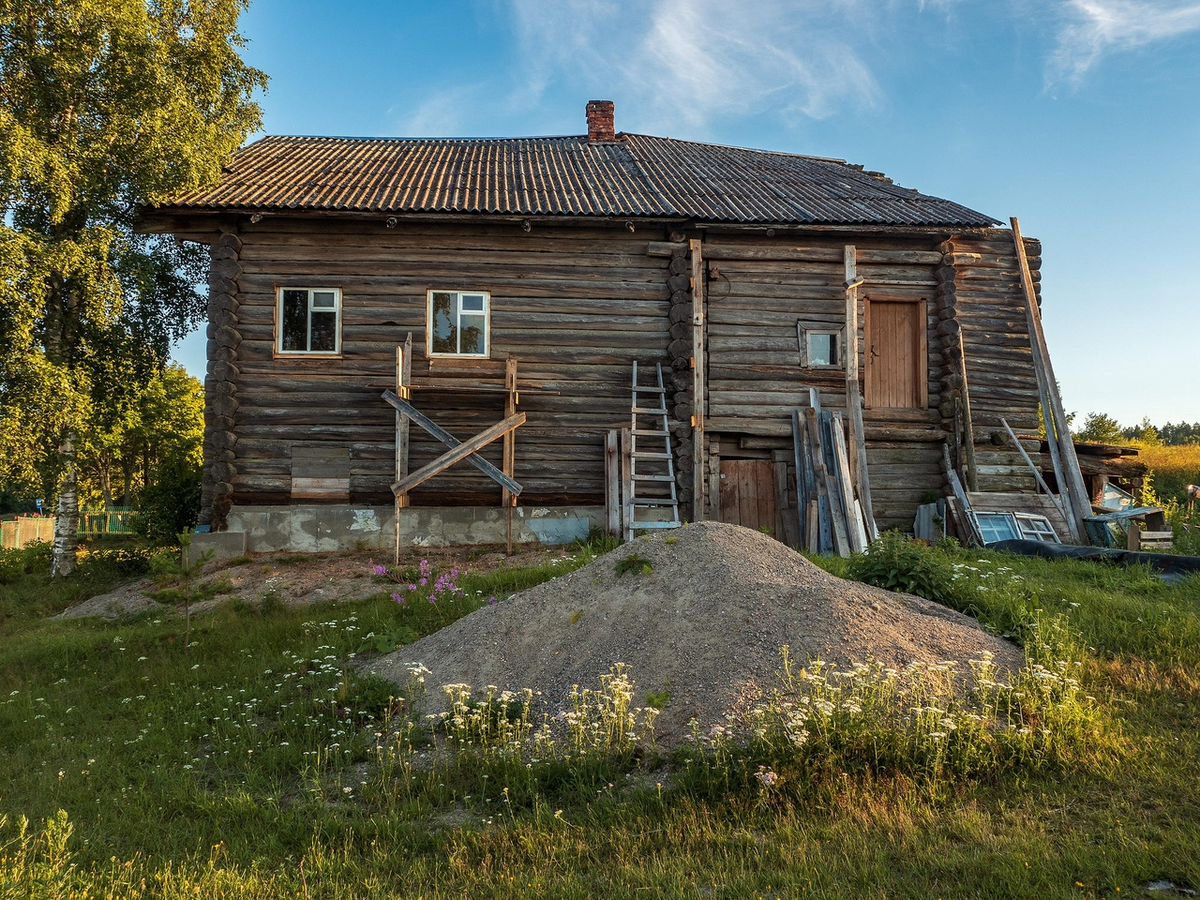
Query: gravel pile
[706, 624]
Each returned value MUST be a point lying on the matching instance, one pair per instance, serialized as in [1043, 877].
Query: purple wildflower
[491, 601]
[399, 599]
[381, 570]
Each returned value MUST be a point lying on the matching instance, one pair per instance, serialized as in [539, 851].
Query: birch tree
[104, 105]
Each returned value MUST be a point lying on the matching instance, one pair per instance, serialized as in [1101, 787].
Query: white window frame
[803, 333]
[458, 313]
[312, 292]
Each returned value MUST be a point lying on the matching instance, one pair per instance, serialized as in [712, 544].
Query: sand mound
[706, 621]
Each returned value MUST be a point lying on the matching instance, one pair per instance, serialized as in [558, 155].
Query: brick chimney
[600, 121]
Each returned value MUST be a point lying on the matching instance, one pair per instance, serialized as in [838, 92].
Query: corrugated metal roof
[635, 175]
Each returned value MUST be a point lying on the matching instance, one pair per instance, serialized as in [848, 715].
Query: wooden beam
[1041, 482]
[699, 381]
[461, 452]
[968, 422]
[612, 482]
[858, 460]
[510, 439]
[1054, 415]
[450, 441]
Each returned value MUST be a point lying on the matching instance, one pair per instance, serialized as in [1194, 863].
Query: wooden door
[747, 493]
[895, 355]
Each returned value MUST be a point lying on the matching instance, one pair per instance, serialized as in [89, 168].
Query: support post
[858, 455]
[699, 380]
[968, 422]
[403, 380]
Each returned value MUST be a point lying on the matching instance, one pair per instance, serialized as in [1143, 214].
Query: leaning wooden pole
[1055, 416]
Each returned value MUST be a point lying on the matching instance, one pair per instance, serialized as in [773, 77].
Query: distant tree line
[1101, 428]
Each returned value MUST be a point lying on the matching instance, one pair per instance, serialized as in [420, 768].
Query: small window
[310, 320]
[819, 346]
[458, 323]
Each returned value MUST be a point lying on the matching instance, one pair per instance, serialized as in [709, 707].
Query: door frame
[922, 348]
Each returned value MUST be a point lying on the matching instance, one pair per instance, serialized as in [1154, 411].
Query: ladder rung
[657, 410]
[639, 454]
[652, 502]
[647, 389]
[652, 477]
[673, 523]
[651, 432]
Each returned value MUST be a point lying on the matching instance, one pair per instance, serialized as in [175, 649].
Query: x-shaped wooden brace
[459, 450]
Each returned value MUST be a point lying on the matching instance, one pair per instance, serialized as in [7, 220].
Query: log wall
[575, 306]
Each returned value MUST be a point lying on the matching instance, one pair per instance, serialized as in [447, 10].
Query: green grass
[249, 766]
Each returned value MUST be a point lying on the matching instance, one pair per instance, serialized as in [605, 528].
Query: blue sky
[1080, 117]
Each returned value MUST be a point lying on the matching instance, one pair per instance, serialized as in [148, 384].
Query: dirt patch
[294, 579]
[704, 623]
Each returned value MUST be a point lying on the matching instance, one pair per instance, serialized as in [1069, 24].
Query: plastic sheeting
[1166, 563]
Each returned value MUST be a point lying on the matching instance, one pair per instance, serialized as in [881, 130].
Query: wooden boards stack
[831, 518]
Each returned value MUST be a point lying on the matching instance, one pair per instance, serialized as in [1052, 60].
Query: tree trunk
[66, 528]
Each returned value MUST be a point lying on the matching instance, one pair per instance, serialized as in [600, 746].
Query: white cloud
[695, 61]
[1094, 28]
[443, 113]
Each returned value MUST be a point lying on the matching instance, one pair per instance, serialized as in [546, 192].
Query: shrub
[898, 563]
[170, 505]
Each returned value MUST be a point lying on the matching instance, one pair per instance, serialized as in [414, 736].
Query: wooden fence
[25, 530]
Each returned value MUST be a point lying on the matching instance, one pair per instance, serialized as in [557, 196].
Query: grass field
[258, 763]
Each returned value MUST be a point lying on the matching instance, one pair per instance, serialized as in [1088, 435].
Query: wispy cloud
[693, 61]
[1094, 28]
[442, 113]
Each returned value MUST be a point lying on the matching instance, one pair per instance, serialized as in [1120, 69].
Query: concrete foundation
[222, 545]
[327, 527]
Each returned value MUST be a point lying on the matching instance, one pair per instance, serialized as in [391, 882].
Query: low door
[748, 493]
[895, 364]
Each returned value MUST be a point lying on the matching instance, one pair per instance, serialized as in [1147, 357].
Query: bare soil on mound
[295, 579]
[705, 623]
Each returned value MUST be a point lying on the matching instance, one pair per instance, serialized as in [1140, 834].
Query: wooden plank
[805, 253]
[858, 467]
[403, 380]
[451, 441]
[845, 484]
[507, 498]
[960, 497]
[699, 378]
[803, 477]
[1055, 417]
[968, 421]
[1037, 474]
[461, 452]
[612, 482]
[627, 483]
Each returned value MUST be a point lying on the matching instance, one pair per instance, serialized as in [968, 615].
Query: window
[819, 347]
[1003, 526]
[309, 320]
[458, 323]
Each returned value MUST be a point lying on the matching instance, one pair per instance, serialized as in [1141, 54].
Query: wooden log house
[531, 273]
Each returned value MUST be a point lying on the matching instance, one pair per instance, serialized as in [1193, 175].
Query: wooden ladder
[650, 487]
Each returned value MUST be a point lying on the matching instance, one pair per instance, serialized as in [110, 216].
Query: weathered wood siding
[991, 312]
[575, 306]
[754, 371]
